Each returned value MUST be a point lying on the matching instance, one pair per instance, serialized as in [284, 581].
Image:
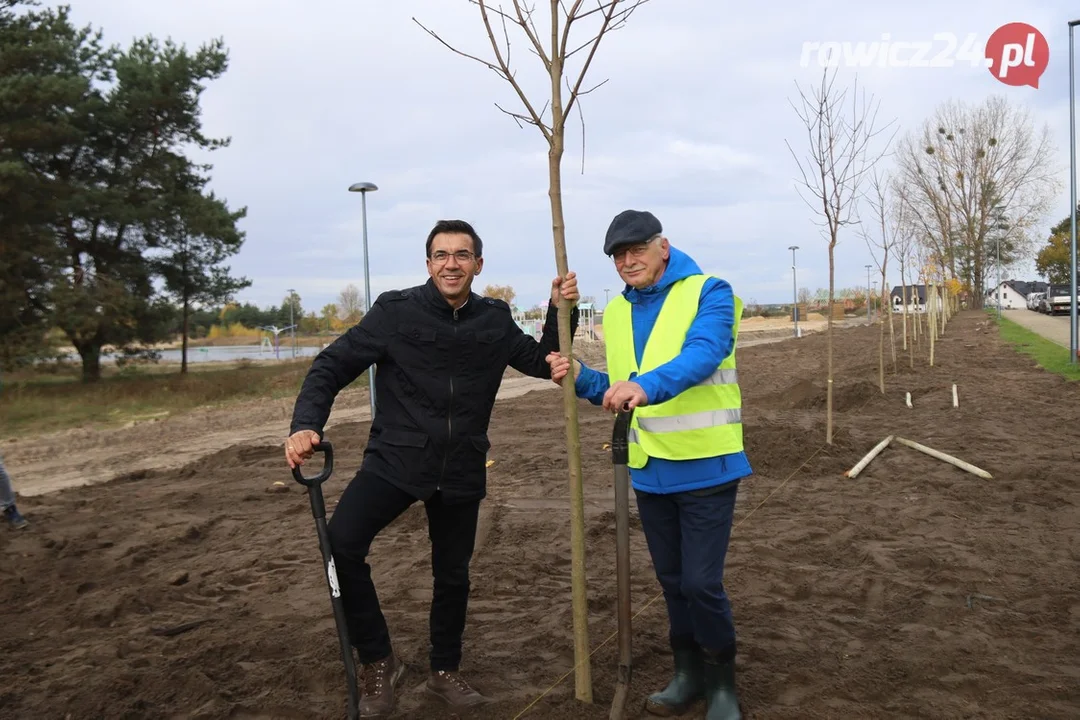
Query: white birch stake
[908, 400]
[859, 466]
[955, 397]
[947, 458]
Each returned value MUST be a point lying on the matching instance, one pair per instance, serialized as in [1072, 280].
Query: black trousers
[688, 534]
[368, 505]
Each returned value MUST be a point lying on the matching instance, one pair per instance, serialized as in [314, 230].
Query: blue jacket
[708, 342]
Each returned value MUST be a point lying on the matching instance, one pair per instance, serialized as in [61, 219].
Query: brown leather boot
[452, 689]
[378, 685]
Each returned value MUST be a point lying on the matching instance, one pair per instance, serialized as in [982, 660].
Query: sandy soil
[916, 590]
[89, 455]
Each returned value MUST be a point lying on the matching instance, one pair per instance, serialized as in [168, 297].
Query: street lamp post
[364, 188]
[606, 291]
[868, 267]
[292, 321]
[1073, 330]
[794, 289]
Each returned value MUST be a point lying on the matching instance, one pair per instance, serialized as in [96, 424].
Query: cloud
[692, 123]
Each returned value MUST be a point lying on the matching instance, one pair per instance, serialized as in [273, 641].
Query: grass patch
[1049, 355]
[49, 402]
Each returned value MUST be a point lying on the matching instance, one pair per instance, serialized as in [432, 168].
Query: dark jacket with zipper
[437, 373]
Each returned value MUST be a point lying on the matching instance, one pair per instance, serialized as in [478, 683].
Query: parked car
[1034, 299]
[1058, 299]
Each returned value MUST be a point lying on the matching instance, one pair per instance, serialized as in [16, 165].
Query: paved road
[1053, 328]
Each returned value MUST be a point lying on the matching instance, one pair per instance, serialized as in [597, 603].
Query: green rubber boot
[721, 701]
[686, 687]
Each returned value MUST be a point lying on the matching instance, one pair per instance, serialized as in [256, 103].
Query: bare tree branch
[498, 70]
[600, 84]
[522, 19]
[604, 29]
[600, 8]
[502, 68]
[618, 20]
[526, 19]
[973, 171]
[581, 116]
[518, 117]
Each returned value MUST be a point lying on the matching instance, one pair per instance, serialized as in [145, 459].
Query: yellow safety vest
[702, 421]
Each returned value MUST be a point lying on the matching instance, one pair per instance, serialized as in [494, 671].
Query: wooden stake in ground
[947, 458]
[955, 397]
[553, 51]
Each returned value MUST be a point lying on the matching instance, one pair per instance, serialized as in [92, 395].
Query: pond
[227, 353]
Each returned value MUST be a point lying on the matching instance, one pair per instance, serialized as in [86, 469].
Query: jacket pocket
[417, 350]
[417, 333]
[481, 443]
[490, 336]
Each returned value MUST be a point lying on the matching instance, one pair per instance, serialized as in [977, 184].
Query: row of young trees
[943, 202]
[107, 222]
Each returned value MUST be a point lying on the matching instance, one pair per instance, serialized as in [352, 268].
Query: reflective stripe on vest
[694, 421]
[702, 421]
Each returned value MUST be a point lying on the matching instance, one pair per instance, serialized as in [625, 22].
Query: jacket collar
[435, 299]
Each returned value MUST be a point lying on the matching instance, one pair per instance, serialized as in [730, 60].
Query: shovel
[318, 511]
[620, 457]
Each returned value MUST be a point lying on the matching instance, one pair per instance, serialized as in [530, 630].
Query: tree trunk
[90, 352]
[945, 314]
[915, 322]
[184, 333]
[829, 343]
[881, 341]
[931, 309]
[921, 316]
[909, 344]
[904, 299]
[979, 283]
[578, 579]
[892, 326]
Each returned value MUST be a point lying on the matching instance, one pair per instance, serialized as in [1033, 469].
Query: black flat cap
[629, 228]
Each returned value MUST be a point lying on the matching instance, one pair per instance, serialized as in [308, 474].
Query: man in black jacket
[441, 352]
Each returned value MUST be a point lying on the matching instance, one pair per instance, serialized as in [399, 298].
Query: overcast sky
[690, 125]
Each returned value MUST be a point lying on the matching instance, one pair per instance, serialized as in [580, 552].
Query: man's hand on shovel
[300, 446]
[624, 396]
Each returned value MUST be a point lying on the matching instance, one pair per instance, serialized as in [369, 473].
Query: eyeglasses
[441, 256]
[633, 251]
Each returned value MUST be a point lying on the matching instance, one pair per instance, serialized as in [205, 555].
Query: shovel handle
[325, 447]
[620, 443]
[620, 455]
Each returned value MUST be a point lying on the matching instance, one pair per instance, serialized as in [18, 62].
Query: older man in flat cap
[670, 339]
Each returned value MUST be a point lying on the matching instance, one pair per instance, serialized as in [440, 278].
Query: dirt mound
[807, 394]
